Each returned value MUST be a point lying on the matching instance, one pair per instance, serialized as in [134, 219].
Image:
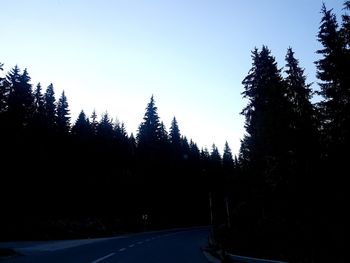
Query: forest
[281, 197]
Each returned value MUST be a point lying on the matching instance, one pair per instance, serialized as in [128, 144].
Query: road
[171, 246]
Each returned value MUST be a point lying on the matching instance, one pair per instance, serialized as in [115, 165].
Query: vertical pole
[228, 213]
[211, 209]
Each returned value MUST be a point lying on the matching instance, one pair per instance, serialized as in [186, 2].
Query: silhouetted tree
[265, 147]
[175, 136]
[94, 122]
[50, 110]
[81, 127]
[227, 159]
[39, 105]
[149, 129]
[63, 118]
[333, 71]
[149, 132]
[20, 100]
[105, 128]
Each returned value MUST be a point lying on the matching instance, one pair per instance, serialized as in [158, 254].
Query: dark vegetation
[282, 197]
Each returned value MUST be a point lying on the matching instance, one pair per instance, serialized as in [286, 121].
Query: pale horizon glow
[192, 55]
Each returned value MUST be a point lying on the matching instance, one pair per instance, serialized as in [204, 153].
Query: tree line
[283, 196]
[94, 167]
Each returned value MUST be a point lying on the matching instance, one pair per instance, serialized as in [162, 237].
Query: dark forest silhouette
[282, 197]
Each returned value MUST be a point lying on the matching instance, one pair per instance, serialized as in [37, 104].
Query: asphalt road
[171, 246]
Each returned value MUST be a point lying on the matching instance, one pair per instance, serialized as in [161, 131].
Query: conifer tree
[335, 85]
[50, 109]
[94, 123]
[265, 146]
[174, 134]
[81, 127]
[20, 100]
[227, 159]
[63, 118]
[149, 132]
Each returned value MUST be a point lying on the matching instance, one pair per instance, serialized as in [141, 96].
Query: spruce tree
[63, 118]
[149, 132]
[335, 89]
[20, 99]
[174, 134]
[227, 159]
[266, 144]
[303, 121]
[333, 73]
[50, 110]
[94, 123]
[81, 127]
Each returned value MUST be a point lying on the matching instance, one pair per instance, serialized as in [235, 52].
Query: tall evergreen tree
[333, 72]
[38, 120]
[105, 128]
[227, 159]
[81, 127]
[265, 147]
[149, 131]
[335, 85]
[175, 136]
[94, 122]
[20, 99]
[63, 118]
[215, 155]
[50, 109]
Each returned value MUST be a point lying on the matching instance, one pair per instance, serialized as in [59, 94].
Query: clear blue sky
[191, 54]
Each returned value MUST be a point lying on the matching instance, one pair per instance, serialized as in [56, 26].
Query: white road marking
[140, 242]
[132, 245]
[122, 249]
[147, 240]
[103, 258]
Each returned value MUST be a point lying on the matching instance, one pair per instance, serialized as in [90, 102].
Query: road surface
[171, 246]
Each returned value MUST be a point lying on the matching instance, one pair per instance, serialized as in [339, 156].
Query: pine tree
[120, 132]
[149, 131]
[50, 109]
[63, 119]
[299, 95]
[20, 99]
[227, 159]
[94, 122]
[194, 151]
[333, 72]
[265, 147]
[215, 156]
[335, 89]
[105, 128]
[81, 127]
[38, 120]
[175, 136]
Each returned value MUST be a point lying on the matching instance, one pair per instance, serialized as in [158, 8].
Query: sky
[192, 55]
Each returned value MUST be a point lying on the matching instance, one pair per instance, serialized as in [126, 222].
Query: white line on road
[132, 245]
[122, 249]
[103, 258]
[140, 242]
